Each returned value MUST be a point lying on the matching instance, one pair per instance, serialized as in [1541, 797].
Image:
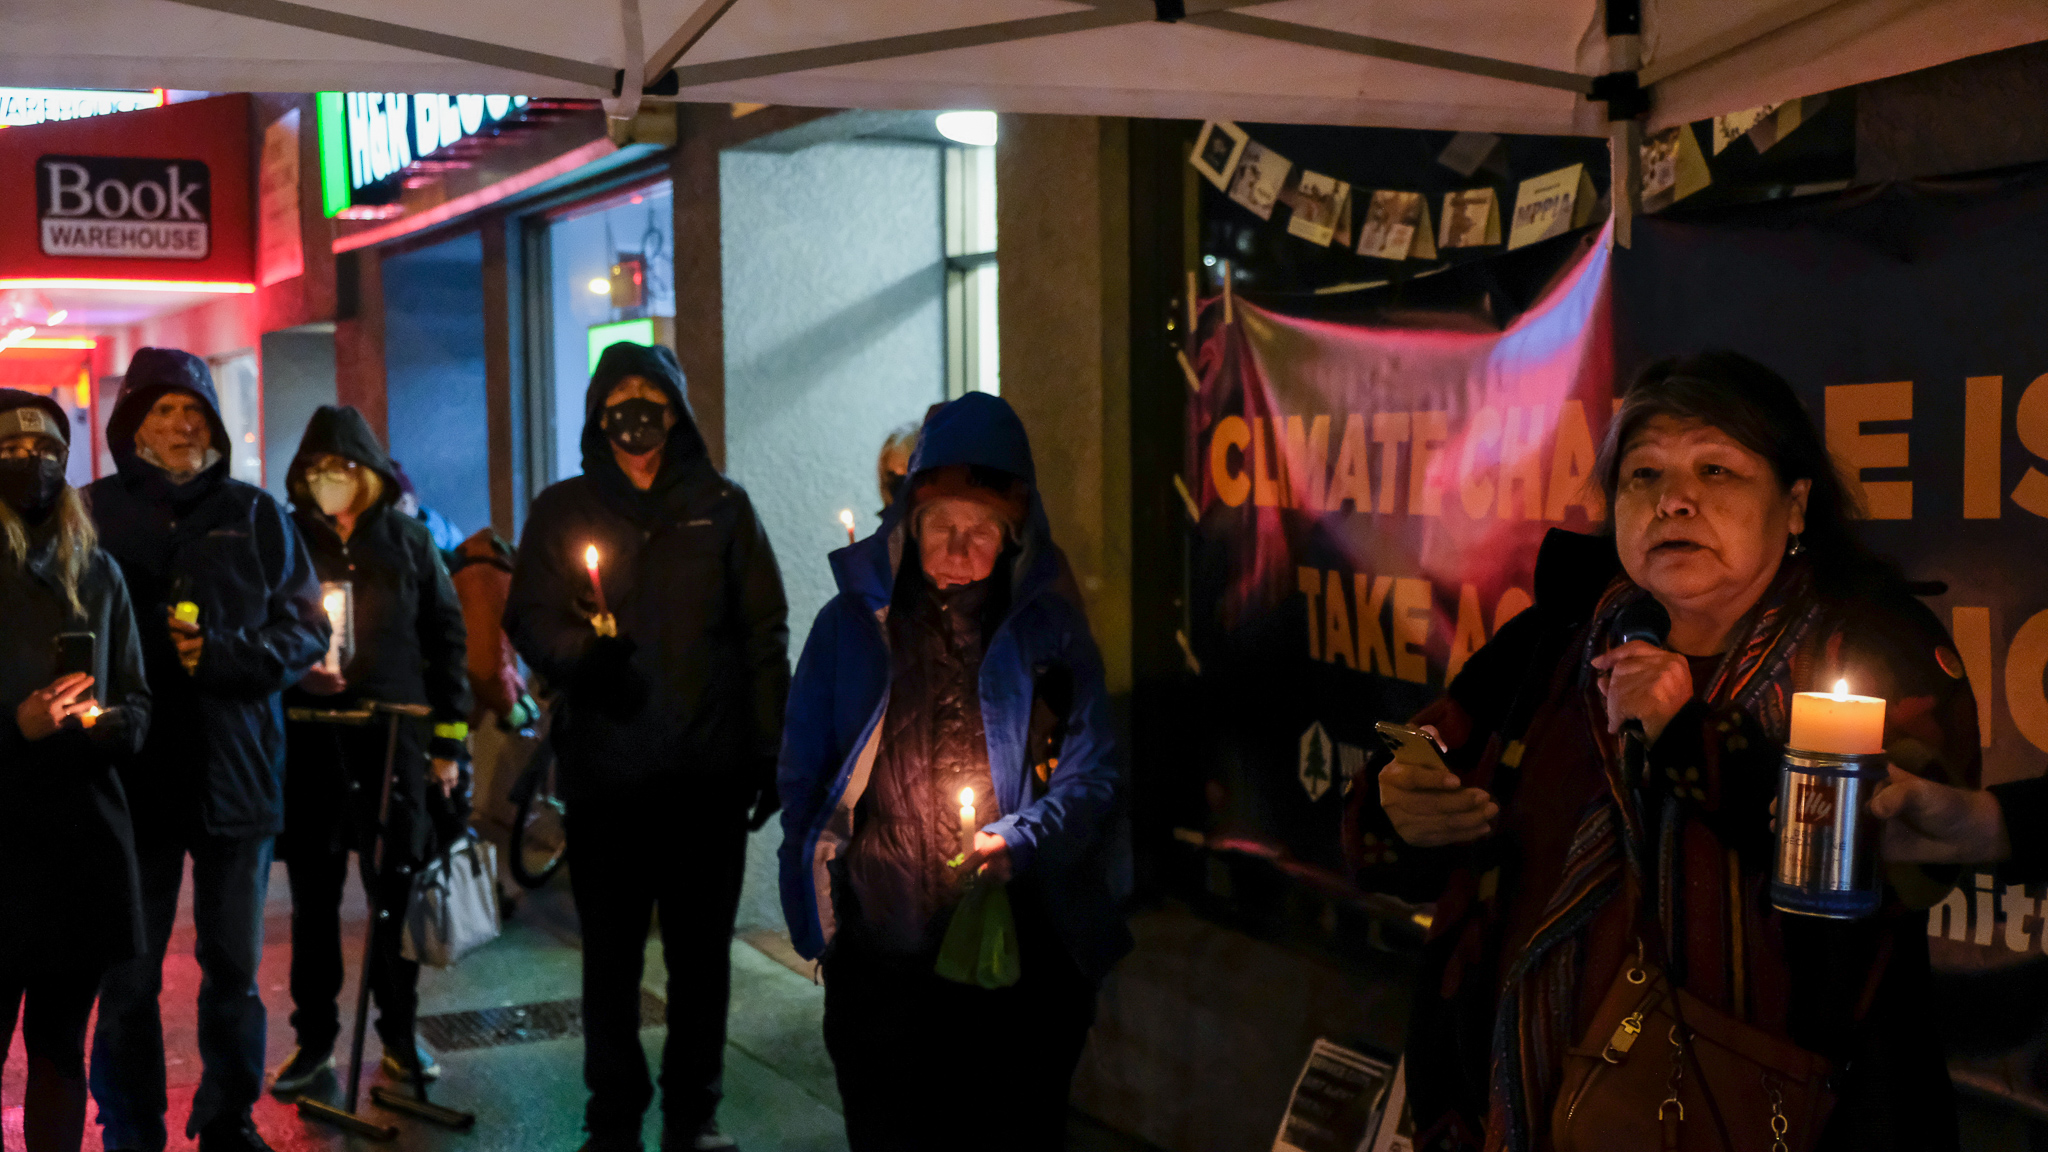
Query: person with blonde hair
[73, 704]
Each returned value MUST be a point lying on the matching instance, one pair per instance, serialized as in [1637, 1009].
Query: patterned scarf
[1534, 1021]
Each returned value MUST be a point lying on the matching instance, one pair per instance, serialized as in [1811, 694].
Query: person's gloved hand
[767, 802]
[607, 680]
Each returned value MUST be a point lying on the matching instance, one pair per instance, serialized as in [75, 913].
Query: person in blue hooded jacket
[209, 782]
[954, 669]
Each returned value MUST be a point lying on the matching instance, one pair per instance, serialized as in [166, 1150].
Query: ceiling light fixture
[974, 129]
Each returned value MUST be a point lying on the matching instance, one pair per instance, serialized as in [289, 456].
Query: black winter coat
[69, 897]
[214, 760]
[410, 645]
[688, 699]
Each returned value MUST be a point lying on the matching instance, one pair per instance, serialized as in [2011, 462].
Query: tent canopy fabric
[1494, 65]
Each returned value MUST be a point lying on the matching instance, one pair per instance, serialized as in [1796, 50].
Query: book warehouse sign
[124, 207]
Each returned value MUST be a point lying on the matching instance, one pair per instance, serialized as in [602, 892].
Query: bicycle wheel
[539, 835]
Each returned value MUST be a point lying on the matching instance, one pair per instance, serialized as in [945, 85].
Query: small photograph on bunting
[1337, 1101]
[1732, 126]
[1471, 219]
[1551, 205]
[1341, 237]
[1317, 201]
[1217, 150]
[1791, 114]
[1261, 173]
[1397, 227]
[1673, 167]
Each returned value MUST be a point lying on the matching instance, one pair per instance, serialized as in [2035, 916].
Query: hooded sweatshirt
[214, 759]
[409, 640]
[1065, 828]
[687, 700]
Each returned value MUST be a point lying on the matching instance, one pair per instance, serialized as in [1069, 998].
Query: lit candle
[967, 824]
[90, 716]
[596, 585]
[846, 518]
[336, 603]
[1837, 722]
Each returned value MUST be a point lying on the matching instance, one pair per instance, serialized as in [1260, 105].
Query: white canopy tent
[1496, 65]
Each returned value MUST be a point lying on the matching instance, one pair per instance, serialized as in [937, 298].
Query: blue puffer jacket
[1070, 842]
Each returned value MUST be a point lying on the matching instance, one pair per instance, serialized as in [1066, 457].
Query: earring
[1798, 546]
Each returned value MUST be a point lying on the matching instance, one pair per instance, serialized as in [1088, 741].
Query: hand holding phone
[1428, 804]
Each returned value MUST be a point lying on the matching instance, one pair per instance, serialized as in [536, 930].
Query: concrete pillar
[1063, 235]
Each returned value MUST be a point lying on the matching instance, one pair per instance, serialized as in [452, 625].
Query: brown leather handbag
[1684, 1078]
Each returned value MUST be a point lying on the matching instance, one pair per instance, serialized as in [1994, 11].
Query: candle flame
[590, 556]
[334, 602]
[1841, 689]
[967, 797]
[846, 518]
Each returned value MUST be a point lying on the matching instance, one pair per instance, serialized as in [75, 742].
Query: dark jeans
[622, 867]
[317, 875]
[928, 1065]
[53, 1007]
[230, 877]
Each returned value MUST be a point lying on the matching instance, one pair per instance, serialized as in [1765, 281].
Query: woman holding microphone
[1598, 830]
[72, 705]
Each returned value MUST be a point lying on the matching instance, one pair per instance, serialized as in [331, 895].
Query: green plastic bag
[981, 944]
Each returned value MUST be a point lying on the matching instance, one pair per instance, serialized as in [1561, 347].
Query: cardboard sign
[1319, 203]
[1336, 1103]
[1397, 227]
[1261, 173]
[1673, 167]
[1551, 205]
[1217, 151]
[1471, 219]
[1397, 1121]
[124, 207]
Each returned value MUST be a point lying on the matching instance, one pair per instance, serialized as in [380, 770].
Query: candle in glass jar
[967, 824]
[596, 585]
[846, 519]
[1837, 722]
[335, 601]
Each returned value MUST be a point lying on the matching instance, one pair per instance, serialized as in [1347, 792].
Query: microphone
[1644, 620]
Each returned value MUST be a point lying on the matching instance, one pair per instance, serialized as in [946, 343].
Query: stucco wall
[834, 288]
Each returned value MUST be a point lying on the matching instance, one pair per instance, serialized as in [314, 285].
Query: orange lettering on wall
[1337, 644]
[1572, 484]
[1389, 431]
[1305, 462]
[1475, 475]
[1521, 464]
[1983, 444]
[1425, 493]
[1849, 408]
[1231, 487]
[1352, 479]
[1411, 629]
[2031, 422]
[1269, 470]
[1373, 653]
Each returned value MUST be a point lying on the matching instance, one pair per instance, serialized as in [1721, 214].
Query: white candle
[335, 601]
[967, 824]
[846, 519]
[1837, 722]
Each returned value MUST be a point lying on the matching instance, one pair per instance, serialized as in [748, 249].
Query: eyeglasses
[28, 452]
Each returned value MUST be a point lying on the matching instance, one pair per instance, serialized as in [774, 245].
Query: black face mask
[30, 485]
[636, 425]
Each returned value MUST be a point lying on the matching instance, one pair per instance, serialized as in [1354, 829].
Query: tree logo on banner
[1317, 760]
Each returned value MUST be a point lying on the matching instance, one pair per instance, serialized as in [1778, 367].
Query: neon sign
[368, 139]
[23, 106]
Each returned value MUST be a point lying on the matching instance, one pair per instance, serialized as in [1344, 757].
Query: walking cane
[380, 917]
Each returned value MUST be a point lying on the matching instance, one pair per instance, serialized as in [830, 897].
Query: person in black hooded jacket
[68, 900]
[229, 614]
[667, 727]
[408, 647]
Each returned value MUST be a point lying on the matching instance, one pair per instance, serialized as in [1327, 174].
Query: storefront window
[612, 277]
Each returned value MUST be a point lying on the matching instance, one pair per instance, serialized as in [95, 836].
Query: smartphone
[1412, 745]
[75, 652]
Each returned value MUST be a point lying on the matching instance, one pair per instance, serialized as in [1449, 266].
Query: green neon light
[333, 152]
[603, 336]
